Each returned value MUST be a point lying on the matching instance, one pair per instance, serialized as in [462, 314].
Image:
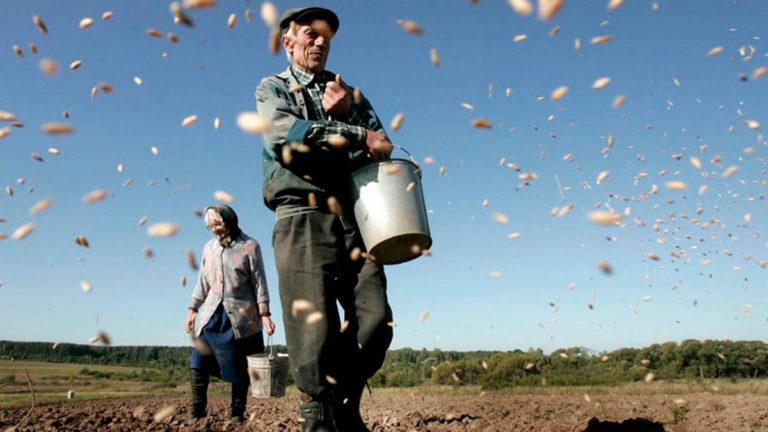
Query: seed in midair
[183, 281]
[223, 196]
[138, 81]
[600, 40]
[549, 8]
[731, 170]
[163, 229]
[602, 176]
[314, 317]
[410, 27]
[252, 122]
[269, 14]
[231, 21]
[334, 206]
[649, 377]
[559, 93]
[48, 67]
[615, 4]
[4, 132]
[695, 162]
[85, 286]
[82, 241]
[434, 56]
[86, 22]
[676, 185]
[173, 37]
[481, 123]
[95, 196]
[760, 72]
[154, 33]
[410, 186]
[165, 413]
[198, 4]
[397, 122]
[514, 235]
[652, 256]
[57, 129]
[191, 260]
[40, 24]
[601, 83]
[703, 189]
[75, 64]
[500, 218]
[273, 43]
[300, 306]
[424, 316]
[521, 7]
[519, 38]
[23, 231]
[189, 120]
[54, 151]
[18, 51]
[604, 218]
[106, 16]
[715, 51]
[605, 267]
[752, 124]
[41, 206]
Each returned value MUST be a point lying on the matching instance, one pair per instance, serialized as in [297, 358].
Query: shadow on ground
[629, 425]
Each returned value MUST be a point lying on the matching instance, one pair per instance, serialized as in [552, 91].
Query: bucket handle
[271, 347]
[408, 153]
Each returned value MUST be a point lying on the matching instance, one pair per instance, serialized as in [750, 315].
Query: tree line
[490, 369]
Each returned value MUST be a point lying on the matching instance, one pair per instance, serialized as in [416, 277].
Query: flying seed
[334, 206]
[313, 317]
[75, 64]
[40, 24]
[165, 413]
[500, 218]
[23, 231]
[559, 93]
[410, 186]
[191, 260]
[4, 132]
[434, 57]
[615, 4]
[41, 206]
[519, 38]
[695, 162]
[138, 81]
[82, 241]
[163, 229]
[481, 123]
[715, 51]
[188, 121]
[397, 122]
[300, 306]
[106, 16]
[731, 170]
[57, 129]
[173, 38]
[752, 124]
[154, 33]
[424, 316]
[600, 40]
[95, 196]
[198, 4]
[601, 83]
[48, 67]
[521, 7]
[217, 123]
[223, 196]
[604, 218]
[269, 14]
[605, 267]
[676, 185]
[86, 22]
[85, 286]
[18, 51]
[618, 101]
[231, 21]
[410, 27]
[253, 123]
[549, 8]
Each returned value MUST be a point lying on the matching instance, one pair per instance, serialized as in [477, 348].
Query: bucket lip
[379, 162]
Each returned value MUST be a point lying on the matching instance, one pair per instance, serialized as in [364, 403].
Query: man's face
[311, 46]
[218, 228]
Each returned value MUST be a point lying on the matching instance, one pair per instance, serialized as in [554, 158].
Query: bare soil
[411, 411]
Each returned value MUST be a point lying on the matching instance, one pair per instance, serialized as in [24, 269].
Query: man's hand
[377, 145]
[269, 325]
[189, 324]
[337, 100]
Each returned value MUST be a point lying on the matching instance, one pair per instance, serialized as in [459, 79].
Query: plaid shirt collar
[306, 78]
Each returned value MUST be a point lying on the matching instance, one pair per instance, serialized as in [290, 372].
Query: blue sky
[213, 71]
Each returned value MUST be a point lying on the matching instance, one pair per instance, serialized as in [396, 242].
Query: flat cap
[306, 13]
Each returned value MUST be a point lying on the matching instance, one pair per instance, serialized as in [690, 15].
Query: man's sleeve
[260, 289]
[201, 287]
[362, 114]
[288, 126]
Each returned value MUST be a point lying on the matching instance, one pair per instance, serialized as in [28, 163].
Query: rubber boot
[239, 399]
[199, 394]
[317, 415]
[347, 408]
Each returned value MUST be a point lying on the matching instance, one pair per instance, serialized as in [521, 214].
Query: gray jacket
[324, 170]
[234, 276]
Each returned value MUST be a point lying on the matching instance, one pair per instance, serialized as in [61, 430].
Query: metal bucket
[269, 373]
[390, 211]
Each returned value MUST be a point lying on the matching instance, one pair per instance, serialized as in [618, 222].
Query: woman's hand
[189, 324]
[269, 325]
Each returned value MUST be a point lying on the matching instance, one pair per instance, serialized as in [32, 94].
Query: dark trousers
[312, 252]
[200, 380]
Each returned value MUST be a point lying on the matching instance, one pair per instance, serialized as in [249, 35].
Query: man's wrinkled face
[312, 43]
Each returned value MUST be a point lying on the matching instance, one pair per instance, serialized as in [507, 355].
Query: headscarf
[229, 217]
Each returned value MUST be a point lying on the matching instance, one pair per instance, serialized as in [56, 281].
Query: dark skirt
[227, 359]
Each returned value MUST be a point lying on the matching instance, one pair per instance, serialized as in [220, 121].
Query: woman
[229, 309]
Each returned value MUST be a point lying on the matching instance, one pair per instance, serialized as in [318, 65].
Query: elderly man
[321, 131]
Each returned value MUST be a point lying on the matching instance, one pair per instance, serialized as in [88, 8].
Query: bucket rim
[379, 162]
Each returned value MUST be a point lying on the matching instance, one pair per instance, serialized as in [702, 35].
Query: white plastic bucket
[390, 211]
[268, 373]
